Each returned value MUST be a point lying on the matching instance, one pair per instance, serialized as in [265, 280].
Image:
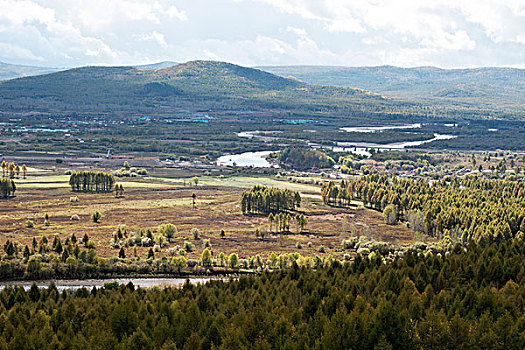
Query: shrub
[168, 230]
[195, 233]
[75, 217]
[188, 246]
[207, 243]
[161, 241]
[321, 249]
[309, 244]
[96, 216]
[146, 242]
[30, 224]
[390, 214]
[156, 248]
[206, 258]
[298, 245]
[172, 251]
[234, 260]
[73, 199]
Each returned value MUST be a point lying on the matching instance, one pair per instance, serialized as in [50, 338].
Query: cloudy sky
[444, 33]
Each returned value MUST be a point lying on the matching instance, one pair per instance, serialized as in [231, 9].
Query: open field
[150, 202]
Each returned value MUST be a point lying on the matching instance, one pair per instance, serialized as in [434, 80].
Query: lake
[247, 159]
[380, 128]
[90, 283]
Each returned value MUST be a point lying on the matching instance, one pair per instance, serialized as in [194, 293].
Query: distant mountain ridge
[489, 87]
[130, 90]
[13, 71]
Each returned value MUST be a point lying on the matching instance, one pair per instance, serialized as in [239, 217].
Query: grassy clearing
[245, 182]
[150, 202]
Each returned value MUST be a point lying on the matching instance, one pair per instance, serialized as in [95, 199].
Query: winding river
[258, 159]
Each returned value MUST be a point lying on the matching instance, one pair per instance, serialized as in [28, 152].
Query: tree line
[91, 181]
[7, 188]
[12, 169]
[470, 299]
[265, 200]
[469, 208]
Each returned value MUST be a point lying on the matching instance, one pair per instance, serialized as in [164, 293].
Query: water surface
[90, 283]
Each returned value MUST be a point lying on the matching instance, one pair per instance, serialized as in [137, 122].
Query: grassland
[155, 200]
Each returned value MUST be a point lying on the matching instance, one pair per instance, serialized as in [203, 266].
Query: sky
[406, 33]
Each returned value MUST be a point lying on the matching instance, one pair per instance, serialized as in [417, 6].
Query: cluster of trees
[91, 181]
[119, 190]
[282, 221]
[7, 188]
[264, 200]
[12, 169]
[469, 300]
[464, 208]
[304, 158]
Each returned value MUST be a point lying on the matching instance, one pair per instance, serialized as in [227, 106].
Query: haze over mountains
[489, 87]
[13, 71]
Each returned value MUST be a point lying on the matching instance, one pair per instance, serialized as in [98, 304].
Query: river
[258, 159]
[90, 283]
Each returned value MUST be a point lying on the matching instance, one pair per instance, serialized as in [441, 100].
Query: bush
[234, 260]
[168, 230]
[172, 251]
[321, 249]
[390, 214]
[298, 245]
[75, 217]
[96, 216]
[207, 243]
[188, 246]
[30, 224]
[146, 242]
[73, 199]
[195, 233]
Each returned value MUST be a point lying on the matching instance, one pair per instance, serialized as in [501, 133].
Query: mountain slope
[489, 87]
[12, 71]
[124, 90]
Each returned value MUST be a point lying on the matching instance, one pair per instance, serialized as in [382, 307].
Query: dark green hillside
[204, 84]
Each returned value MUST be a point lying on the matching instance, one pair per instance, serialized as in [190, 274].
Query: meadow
[155, 200]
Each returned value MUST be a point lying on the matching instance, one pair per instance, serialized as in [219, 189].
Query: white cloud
[17, 52]
[173, 12]
[361, 32]
[154, 36]
[298, 31]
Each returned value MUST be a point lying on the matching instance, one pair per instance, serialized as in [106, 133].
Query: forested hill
[196, 84]
[488, 87]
